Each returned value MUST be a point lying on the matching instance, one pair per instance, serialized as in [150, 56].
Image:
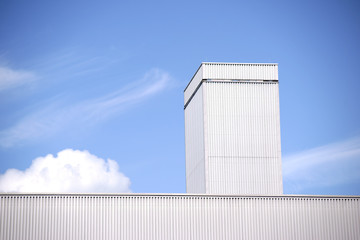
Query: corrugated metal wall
[231, 71]
[194, 144]
[240, 129]
[243, 149]
[87, 216]
[241, 71]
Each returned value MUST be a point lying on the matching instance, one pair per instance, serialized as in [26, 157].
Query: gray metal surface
[232, 129]
[242, 130]
[194, 145]
[177, 216]
[231, 71]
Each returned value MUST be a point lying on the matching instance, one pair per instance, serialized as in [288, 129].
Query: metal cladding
[232, 130]
[177, 216]
[231, 71]
[194, 134]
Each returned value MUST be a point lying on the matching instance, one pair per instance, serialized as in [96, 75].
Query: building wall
[243, 150]
[176, 216]
[232, 123]
[194, 144]
[248, 71]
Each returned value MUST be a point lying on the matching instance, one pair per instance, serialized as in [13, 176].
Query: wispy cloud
[55, 116]
[69, 171]
[152, 83]
[10, 78]
[328, 165]
[67, 64]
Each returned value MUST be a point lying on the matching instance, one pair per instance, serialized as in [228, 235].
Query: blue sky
[101, 84]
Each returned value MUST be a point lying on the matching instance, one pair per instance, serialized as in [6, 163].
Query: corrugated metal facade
[194, 144]
[248, 71]
[241, 129]
[91, 216]
[235, 71]
[243, 148]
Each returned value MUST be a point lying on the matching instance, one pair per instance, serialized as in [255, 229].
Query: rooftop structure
[232, 129]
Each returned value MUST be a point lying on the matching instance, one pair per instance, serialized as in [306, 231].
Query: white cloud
[55, 117]
[69, 171]
[325, 166]
[10, 78]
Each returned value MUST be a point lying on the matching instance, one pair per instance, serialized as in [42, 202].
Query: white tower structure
[232, 129]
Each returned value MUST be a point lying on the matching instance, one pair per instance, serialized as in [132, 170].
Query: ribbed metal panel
[231, 71]
[242, 131]
[240, 71]
[99, 217]
[241, 122]
[194, 144]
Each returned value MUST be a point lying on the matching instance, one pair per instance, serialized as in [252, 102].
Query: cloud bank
[55, 116]
[69, 171]
[326, 166]
[10, 78]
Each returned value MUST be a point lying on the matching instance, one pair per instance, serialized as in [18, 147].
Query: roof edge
[174, 195]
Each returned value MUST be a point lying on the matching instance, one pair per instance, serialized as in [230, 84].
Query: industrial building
[233, 179]
[232, 130]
